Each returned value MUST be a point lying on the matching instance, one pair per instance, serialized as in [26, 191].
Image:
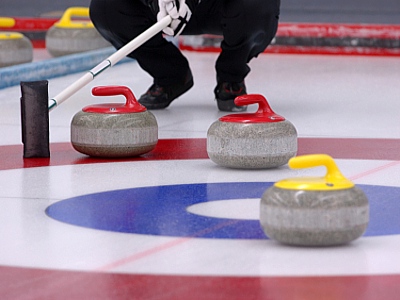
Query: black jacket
[153, 4]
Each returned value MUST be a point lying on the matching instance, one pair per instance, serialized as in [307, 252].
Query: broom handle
[109, 62]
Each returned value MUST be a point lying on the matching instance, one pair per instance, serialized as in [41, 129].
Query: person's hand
[179, 12]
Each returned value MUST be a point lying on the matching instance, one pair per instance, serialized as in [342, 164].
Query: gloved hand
[179, 12]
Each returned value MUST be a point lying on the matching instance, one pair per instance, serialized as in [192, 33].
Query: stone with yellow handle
[15, 48]
[74, 33]
[314, 211]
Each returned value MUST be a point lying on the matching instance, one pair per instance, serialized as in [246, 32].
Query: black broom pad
[35, 118]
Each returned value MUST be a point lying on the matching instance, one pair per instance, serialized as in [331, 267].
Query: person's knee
[242, 17]
[263, 24]
[258, 27]
[97, 11]
[260, 8]
[119, 21]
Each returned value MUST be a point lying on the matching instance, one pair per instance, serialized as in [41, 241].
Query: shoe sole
[230, 106]
[163, 105]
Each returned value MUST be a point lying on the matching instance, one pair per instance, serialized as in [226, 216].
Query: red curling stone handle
[264, 114]
[115, 91]
[263, 105]
[131, 105]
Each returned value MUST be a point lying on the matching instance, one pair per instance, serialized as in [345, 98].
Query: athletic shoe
[159, 97]
[225, 94]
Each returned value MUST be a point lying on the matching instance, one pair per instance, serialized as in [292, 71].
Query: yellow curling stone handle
[333, 180]
[7, 22]
[67, 22]
[6, 35]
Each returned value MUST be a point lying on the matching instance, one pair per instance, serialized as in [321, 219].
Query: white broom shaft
[109, 62]
[139, 40]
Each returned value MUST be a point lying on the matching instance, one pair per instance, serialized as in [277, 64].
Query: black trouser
[247, 27]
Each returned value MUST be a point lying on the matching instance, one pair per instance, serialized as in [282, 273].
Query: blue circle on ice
[162, 210]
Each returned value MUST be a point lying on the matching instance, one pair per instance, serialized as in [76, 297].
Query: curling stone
[252, 140]
[69, 36]
[114, 129]
[15, 48]
[314, 211]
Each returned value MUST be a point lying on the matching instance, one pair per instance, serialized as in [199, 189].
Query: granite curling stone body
[15, 48]
[114, 129]
[314, 211]
[73, 36]
[253, 140]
